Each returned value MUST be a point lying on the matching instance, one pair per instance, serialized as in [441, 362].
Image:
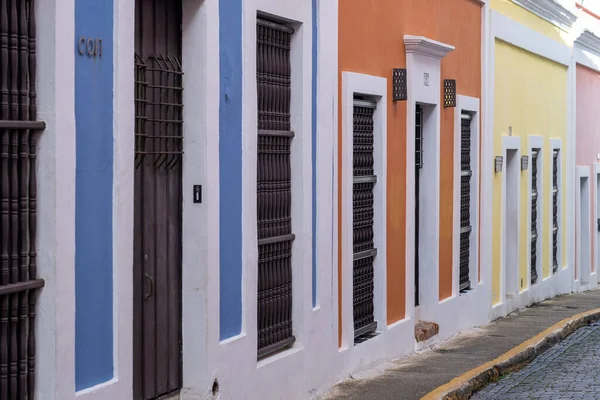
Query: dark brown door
[157, 209]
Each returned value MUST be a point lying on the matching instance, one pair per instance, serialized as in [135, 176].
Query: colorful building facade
[530, 118]
[586, 57]
[250, 199]
[417, 163]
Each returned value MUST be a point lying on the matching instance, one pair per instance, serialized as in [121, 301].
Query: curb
[464, 386]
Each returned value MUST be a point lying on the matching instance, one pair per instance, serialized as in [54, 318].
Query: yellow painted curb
[514, 353]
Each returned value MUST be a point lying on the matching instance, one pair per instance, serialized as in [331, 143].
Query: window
[465, 201]
[418, 165]
[535, 183]
[364, 251]
[555, 176]
[274, 196]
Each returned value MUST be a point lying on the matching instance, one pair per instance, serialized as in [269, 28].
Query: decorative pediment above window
[589, 41]
[426, 47]
[552, 11]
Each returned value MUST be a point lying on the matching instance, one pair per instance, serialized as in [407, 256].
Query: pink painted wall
[588, 135]
[588, 116]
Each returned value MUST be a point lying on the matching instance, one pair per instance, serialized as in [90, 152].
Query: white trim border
[470, 105]
[376, 88]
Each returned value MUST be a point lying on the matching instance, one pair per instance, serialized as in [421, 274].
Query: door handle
[149, 279]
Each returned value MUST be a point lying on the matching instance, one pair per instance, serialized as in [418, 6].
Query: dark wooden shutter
[555, 210]
[274, 184]
[18, 199]
[534, 214]
[364, 251]
[465, 201]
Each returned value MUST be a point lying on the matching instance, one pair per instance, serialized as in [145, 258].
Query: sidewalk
[417, 375]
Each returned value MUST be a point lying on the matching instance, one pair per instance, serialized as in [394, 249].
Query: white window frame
[470, 105]
[595, 178]
[509, 143]
[583, 172]
[298, 17]
[375, 88]
[423, 59]
[556, 144]
[535, 142]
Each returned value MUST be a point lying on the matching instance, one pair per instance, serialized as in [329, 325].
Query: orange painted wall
[371, 41]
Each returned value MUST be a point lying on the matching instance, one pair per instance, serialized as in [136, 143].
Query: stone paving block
[568, 370]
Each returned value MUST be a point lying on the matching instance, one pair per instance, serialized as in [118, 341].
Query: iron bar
[274, 196]
[465, 202]
[364, 251]
[18, 142]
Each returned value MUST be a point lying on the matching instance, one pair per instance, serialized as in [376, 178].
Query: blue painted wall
[93, 201]
[230, 167]
[314, 150]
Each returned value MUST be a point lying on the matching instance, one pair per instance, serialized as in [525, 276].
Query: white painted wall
[200, 232]
[233, 362]
[55, 322]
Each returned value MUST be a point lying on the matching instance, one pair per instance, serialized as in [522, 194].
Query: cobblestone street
[569, 370]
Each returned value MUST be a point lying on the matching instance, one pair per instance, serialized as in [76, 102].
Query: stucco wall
[531, 98]
[529, 19]
[588, 138]
[371, 42]
[588, 123]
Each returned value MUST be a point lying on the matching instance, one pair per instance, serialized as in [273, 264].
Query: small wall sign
[426, 79]
[91, 47]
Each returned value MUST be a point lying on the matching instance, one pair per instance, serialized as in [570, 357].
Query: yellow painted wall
[530, 20]
[531, 96]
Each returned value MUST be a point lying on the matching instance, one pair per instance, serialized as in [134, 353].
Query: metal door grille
[465, 201]
[364, 251]
[534, 214]
[159, 111]
[418, 166]
[157, 238]
[555, 210]
[19, 132]
[274, 196]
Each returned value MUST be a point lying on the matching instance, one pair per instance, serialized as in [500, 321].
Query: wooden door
[158, 199]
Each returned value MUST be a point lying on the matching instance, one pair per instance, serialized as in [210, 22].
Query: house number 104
[91, 47]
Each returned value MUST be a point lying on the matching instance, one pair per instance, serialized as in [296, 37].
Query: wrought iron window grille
[419, 121]
[274, 186]
[555, 194]
[534, 215]
[465, 202]
[19, 132]
[364, 251]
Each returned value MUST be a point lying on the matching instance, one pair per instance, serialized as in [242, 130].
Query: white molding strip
[526, 38]
[426, 47]
[510, 289]
[586, 58]
[587, 40]
[551, 11]
[582, 225]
